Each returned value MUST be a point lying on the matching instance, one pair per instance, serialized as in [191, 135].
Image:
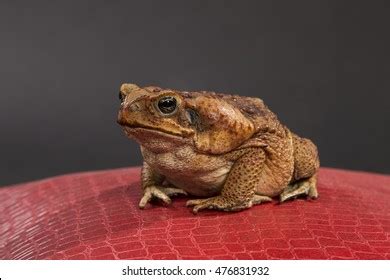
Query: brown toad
[230, 150]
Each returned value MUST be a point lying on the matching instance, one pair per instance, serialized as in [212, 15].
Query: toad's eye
[167, 105]
[121, 97]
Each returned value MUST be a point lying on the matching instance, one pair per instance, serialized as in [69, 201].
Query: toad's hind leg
[306, 164]
[306, 187]
[238, 192]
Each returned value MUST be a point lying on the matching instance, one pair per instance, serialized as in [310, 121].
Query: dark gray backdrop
[322, 66]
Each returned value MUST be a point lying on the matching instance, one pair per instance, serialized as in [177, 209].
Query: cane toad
[230, 151]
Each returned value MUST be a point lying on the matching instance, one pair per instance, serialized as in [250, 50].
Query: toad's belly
[203, 184]
[197, 174]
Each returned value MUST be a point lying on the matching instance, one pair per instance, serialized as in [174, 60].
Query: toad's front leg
[153, 188]
[238, 192]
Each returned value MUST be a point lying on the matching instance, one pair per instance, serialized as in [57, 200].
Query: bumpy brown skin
[228, 149]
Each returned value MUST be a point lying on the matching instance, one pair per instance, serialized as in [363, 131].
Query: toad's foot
[159, 192]
[257, 199]
[304, 187]
[221, 203]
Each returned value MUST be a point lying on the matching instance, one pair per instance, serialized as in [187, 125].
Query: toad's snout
[128, 113]
[131, 107]
[121, 118]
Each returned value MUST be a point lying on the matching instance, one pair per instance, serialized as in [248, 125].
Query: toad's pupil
[167, 105]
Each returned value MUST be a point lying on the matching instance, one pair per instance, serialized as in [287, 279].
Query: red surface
[95, 216]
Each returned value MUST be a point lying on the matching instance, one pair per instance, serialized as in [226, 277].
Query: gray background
[322, 66]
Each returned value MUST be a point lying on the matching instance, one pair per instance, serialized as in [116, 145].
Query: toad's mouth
[136, 129]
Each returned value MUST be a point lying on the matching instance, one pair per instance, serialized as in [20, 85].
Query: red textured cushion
[95, 216]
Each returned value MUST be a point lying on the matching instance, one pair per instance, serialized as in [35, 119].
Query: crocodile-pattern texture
[94, 215]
